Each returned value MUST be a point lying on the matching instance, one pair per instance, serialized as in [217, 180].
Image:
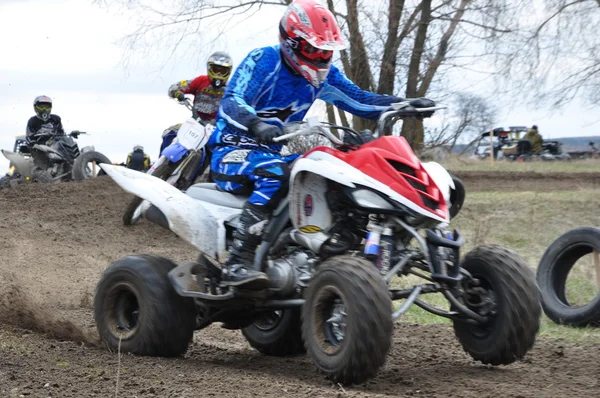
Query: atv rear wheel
[347, 319]
[80, 169]
[130, 217]
[507, 293]
[276, 333]
[43, 176]
[136, 305]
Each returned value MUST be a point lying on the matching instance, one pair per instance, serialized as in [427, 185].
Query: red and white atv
[354, 218]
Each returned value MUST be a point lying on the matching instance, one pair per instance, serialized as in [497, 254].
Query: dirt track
[56, 241]
[527, 181]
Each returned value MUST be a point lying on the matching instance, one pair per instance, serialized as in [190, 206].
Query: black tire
[163, 172]
[43, 176]
[79, 165]
[368, 318]
[276, 333]
[457, 196]
[511, 332]
[165, 321]
[552, 273]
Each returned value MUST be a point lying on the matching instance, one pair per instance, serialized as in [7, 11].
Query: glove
[179, 96]
[423, 103]
[265, 132]
[362, 138]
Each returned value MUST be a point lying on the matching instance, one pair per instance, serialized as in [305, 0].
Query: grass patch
[527, 222]
[575, 166]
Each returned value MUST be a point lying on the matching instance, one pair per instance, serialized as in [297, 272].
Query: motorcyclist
[44, 125]
[272, 87]
[207, 90]
[137, 159]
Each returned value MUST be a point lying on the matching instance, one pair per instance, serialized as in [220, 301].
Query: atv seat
[209, 192]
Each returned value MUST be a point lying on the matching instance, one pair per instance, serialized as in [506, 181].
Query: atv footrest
[185, 277]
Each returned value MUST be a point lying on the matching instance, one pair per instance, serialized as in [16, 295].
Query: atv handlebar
[400, 110]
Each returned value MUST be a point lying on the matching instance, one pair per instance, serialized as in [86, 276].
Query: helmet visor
[43, 107]
[314, 54]
[219, 70]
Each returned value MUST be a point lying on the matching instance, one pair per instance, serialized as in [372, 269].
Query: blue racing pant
[262, 175]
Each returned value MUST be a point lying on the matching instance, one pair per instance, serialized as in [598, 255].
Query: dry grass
[527, 222]
[455, 163]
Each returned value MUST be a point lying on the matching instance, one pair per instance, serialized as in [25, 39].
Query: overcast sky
[47, 50]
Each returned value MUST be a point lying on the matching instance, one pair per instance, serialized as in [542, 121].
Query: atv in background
[508, 144]
[59, 159]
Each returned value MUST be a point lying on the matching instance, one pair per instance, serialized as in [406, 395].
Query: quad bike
[59, 159]
[355, 217]
[180, 163]
[554, 268]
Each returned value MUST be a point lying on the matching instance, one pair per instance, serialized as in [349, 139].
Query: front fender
[22, 165]
[441, 177]
[175, 152]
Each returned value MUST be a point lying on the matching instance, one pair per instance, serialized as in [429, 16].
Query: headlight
[371, 200]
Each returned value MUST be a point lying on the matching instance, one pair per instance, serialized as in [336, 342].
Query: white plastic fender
[197, 222]
[441, 177]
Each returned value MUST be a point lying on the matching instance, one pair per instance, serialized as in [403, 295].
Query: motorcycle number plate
[192, 134]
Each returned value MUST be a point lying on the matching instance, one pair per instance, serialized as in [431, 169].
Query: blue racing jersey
[263, 87]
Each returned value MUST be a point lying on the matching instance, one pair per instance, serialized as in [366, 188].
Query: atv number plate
[192, 134]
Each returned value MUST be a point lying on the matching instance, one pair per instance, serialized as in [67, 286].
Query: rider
[138, 160]
[272, 87]
[44, 125]
[207, 90]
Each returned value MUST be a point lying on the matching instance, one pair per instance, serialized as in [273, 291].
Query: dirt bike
[355, 217]
[59, 159]
[180, 163]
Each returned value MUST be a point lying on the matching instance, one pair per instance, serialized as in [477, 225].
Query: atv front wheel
[276, 333]
[80, 167]
[136, 305]
[506, 292]
[347, 319]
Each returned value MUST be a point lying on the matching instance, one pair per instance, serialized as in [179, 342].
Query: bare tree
[473, 115]
[555, 55]
[396, 47]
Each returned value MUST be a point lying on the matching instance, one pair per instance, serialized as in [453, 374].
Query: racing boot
[239, 268]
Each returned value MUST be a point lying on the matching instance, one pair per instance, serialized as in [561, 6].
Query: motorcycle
[59, 159]
[180, 162]
[355, 217]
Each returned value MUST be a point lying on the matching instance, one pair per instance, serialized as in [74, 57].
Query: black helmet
[219, 68]
[42, 105]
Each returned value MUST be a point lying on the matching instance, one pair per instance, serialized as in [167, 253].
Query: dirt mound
[527, 181]
[17, 309]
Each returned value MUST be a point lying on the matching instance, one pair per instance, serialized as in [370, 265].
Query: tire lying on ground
[79, 166]
[553, 270]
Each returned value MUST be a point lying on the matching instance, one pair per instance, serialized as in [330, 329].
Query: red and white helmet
[309, 34]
